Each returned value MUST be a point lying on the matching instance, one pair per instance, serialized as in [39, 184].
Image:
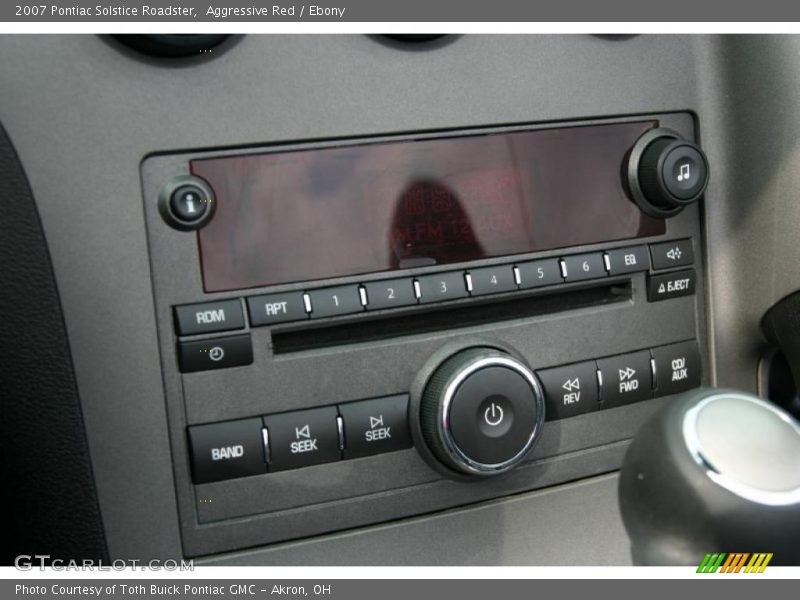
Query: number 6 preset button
[584, 266]
[390, 293]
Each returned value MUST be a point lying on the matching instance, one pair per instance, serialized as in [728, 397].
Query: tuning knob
[666, 173]
[481, 412]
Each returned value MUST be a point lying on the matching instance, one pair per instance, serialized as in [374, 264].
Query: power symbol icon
[493, 415]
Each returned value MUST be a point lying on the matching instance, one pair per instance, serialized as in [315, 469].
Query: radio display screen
[284, 217]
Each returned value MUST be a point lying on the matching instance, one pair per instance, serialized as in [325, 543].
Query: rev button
[303, 438]
[227, 450]
[375, 426]
[570, 390]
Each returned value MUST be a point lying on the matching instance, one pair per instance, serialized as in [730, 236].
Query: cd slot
[469, 313]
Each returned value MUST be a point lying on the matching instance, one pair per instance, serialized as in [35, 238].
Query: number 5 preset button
[539, 273]
[391, 293]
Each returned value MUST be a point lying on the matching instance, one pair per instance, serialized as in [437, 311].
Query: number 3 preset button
[390, 293]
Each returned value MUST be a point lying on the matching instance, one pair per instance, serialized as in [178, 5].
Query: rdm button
[208, 317]
[375, 426]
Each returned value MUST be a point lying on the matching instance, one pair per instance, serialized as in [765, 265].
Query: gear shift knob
[715, 471]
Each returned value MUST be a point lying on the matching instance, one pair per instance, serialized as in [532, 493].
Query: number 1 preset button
[391, 293]
[334, 301]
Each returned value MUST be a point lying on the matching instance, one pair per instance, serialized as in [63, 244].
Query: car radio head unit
[358, 330]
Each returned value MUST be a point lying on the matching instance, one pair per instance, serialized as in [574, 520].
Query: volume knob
[482, 411]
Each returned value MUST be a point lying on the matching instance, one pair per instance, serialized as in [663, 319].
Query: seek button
[375, 426]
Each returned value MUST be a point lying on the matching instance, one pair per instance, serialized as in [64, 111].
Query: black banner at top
[443, 11]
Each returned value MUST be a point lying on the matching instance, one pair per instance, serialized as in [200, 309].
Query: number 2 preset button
[391, 293]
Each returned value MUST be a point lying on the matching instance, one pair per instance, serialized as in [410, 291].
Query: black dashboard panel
[260, 447]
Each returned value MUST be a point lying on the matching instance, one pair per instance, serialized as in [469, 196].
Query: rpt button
[276, 308]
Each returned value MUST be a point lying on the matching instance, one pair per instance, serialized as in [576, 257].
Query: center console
[354, 331]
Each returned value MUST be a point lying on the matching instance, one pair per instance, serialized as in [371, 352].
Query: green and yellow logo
[735, 562]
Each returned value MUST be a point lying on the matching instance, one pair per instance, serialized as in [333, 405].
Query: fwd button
[375, 426]
[626, 378]
[570, 390]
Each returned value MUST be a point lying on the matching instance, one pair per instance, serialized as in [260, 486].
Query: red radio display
[305, 215]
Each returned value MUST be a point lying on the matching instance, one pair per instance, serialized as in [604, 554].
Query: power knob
[666, 173]
[481, 412]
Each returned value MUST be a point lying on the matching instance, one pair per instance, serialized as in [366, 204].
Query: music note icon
[684, 174]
